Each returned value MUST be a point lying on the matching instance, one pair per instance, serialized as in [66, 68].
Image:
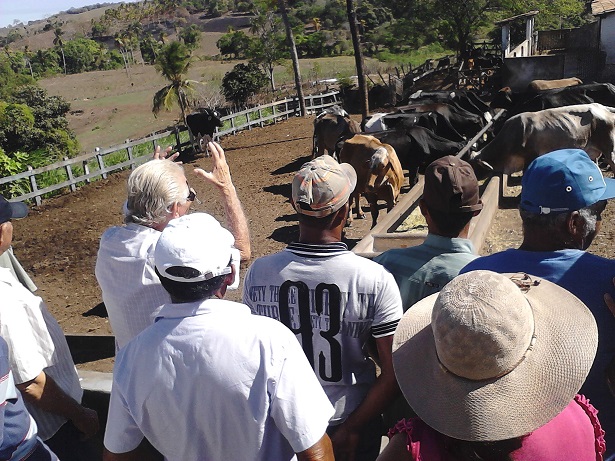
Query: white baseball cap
[197, 241]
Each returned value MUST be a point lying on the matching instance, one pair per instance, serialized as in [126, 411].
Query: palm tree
[57, 41]
[293, 55]
[358, 57]
[26, 57]
[173, 62]
[120, 41]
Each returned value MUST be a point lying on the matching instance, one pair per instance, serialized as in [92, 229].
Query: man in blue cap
[562, 199]
[8, 211]
[40, 361]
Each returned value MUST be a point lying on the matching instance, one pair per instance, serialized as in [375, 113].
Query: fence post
[248, 120]
[178, 141]
[86, 171]
[69, 173]
[233, 125]
[260, 117]
[101, 165]
[34, 187]
[130, 157]
[275, 119]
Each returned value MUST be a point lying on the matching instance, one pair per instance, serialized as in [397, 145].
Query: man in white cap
[158, 192]
[335, 302]
[208, 380]
[40, 361]
[563, 196]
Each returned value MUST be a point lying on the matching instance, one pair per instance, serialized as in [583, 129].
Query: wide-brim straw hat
[493, 356]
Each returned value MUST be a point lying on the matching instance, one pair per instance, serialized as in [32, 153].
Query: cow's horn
[484, 164]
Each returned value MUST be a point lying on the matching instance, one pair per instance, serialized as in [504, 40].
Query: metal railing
[74, 172]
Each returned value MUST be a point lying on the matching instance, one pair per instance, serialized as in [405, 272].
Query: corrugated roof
[519, 16]
[603, 7]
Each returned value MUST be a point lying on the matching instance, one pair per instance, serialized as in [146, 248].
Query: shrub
[243, 81]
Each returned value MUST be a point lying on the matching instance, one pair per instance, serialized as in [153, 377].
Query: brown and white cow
[525, 136]
[379, 173]
[329, 128]
[542, 85]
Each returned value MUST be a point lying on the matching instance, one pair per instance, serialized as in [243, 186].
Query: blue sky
[30, 10]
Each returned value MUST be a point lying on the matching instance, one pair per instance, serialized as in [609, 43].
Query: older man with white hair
[158, 192]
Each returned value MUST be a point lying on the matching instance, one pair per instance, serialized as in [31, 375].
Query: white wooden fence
[86, 167]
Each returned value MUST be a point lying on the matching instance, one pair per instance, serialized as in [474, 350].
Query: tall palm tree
[173, 62]
[26, 57]
[119, 41]
[293, 55]
[57, 41]
[358, 57]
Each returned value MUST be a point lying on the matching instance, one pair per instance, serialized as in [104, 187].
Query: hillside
[108, 107]
[74, 25]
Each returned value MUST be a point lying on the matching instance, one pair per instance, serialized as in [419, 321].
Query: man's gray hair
[152, 189]
[553, 223]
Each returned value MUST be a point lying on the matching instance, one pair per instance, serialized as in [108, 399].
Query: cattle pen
[386, 235]
[71, 173]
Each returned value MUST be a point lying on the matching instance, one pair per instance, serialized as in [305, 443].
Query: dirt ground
[58, 241]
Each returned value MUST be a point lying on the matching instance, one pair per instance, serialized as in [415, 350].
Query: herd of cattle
[548, 115]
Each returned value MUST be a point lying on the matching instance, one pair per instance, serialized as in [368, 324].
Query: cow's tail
[314, 148]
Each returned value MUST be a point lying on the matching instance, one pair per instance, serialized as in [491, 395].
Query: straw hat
[493, 356]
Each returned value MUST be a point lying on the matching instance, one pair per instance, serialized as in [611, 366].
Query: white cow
[525, 136]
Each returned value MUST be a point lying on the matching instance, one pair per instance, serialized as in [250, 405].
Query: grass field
[108, 107]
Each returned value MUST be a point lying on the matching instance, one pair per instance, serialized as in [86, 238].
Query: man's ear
[6, 236]
[174, 210]
[573, 222]
[575, 226]
[227, 281]
[342, 215]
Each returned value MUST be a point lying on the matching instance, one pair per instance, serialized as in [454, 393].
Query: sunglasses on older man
[192, 195]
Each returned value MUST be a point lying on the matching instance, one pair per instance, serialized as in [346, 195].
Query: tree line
[279, 30]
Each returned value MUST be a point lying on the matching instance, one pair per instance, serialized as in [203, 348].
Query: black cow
[464, 99]
[434, 121]
[417, 147]
[203, 125]
[518, 102]
[466, 123]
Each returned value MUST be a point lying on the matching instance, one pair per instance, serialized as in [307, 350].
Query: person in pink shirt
[492, 366]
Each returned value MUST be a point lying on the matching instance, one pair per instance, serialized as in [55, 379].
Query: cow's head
[481, 168]
[503, 99]
[379, 164]
[214, 117]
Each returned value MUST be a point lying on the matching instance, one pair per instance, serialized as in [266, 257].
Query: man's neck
[319, 236]
[542, 244]
[463, 234]
[322, 240]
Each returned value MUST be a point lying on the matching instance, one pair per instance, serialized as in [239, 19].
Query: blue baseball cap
[563, 180]
[10, 210]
